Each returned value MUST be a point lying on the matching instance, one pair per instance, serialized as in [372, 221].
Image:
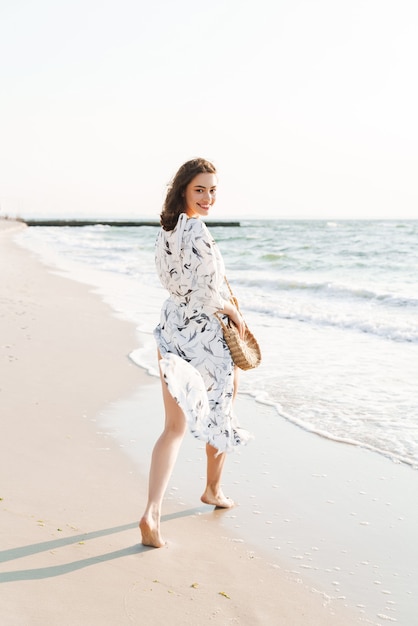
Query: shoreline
[72, 497]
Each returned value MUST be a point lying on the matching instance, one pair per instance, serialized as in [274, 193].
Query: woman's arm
[201, 274]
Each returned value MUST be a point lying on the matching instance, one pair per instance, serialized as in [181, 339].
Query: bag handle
[233, 298]
[235, 302]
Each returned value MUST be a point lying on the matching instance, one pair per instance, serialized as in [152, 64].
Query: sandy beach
[324, 516]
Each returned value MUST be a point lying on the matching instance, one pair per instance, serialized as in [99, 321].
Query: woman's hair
[174, 201]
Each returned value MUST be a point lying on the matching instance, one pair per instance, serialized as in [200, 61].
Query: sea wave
[388, 451]
[401, 331]
[328, 289]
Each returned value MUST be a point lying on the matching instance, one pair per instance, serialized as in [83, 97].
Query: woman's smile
[200, 194]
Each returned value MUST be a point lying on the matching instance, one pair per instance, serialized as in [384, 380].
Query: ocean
[334, 306]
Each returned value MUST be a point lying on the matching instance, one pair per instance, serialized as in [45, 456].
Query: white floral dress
[196, 363]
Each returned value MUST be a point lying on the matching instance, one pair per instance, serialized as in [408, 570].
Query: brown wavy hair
[174, 201]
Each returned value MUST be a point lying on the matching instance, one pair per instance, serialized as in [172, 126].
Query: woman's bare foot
[150, 534]
[217, 499]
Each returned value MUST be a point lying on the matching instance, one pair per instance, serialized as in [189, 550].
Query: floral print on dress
[196, 364]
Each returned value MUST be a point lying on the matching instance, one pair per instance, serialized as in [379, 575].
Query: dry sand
[71, 496]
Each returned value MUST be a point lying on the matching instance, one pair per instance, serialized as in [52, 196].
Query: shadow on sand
[58, 570]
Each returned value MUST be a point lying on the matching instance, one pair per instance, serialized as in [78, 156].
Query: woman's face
[200, 195]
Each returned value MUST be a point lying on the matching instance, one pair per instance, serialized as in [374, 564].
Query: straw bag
[245, 352]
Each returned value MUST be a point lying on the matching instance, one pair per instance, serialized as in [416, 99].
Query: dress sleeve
[202, 268]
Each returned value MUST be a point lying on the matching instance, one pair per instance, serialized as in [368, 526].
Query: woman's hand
[235, 316]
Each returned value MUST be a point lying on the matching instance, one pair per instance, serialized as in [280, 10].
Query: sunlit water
[333, 304]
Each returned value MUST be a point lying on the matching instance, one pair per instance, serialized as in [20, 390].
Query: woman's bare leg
[213, 493]
[162, 463]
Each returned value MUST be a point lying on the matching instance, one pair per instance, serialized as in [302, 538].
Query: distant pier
[119, 223]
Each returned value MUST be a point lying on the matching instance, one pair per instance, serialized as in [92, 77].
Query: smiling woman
[199, 382]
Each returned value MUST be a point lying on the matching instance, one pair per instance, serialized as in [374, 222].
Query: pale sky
[308, 108]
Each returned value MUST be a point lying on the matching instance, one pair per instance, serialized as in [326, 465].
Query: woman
[197, 372]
